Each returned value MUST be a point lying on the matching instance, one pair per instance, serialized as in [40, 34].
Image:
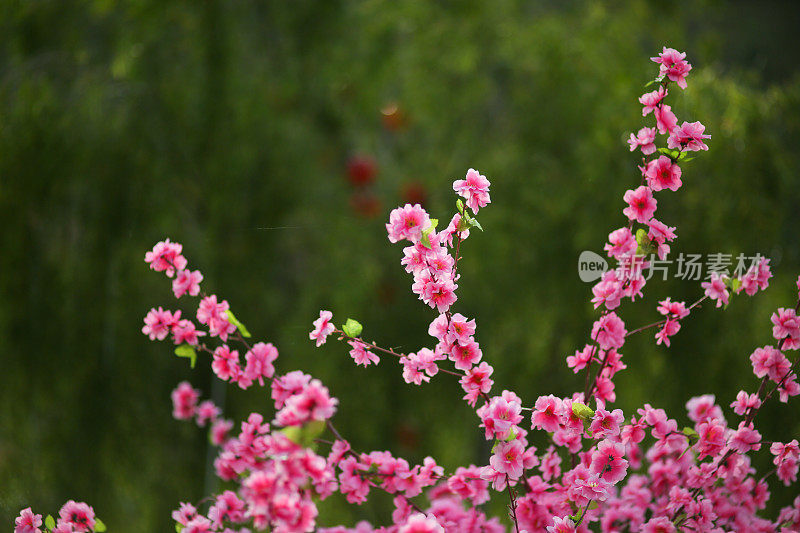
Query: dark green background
[227, 126]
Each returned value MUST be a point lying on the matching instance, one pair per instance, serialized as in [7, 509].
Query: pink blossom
[27, 522]
[313, 402]
[689, 137]
[562, 525]
[673, 65]
[466, 355]
[745, 438]
[215, 316]
[668, 329]
[716, 289]
[662, 173]
[645, 138]
[651, 100]
[703, 408]
[609, 331]
[407, 222]
[184, 514]
[786, 324]
[666, 121]
[476, 381]
[475, 188]
[166, 257]
[259, 361]
[660, 524]
[439, 327]
[660, 234]
[673, 309]
[158, 323]
[789, 388]
[641, 204]
[621, 243]
[413, 369]
[745, 402]
[419, 523]
[78, 515]
[608, 291]
[322, 328]
[581, 358]
[757, 277]
[360, 354]
[769, 361]
[606, 424]
[199, 524]
[439, 294]
[461, 330]
[500, 415]
[184, 401]
[219, 431]
[207, 411]
[184, 332]
[584, 485]
[187, 282]
[547, 413]
[447, 234]
[227, 507]
[712, 438]
[608, 461]
[507, 458]
[225, 363]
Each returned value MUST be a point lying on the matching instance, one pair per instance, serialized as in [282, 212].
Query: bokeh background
[272, 139]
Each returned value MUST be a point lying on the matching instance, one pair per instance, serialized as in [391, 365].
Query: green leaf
[99, 526]
[460, 205]
[187, 350]
[313, 429]
[352, 328]
[735, 284]
[49, 522]
[426, 239]
[672, 154]
[235, 321]
[593, 505]
[434, 223]
[305, 435]
[293, 433]
[178, 527]
[582, 411]
[474, 222]
[691, 434]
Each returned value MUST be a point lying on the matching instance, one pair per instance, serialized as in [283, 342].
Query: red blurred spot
[365, 204]
[361, 170]
[414, 193]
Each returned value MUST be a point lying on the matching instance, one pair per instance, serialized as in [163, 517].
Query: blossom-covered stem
[791, 369]
[663, 321]
[513, 504]
[389, 351]
[751, 414]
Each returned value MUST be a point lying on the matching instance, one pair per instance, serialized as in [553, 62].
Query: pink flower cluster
[601, 470]
[73, 517]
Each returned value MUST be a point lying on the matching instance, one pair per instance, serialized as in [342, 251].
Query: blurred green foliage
[227, 126]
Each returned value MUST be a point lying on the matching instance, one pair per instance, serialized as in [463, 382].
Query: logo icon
[591, 266]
